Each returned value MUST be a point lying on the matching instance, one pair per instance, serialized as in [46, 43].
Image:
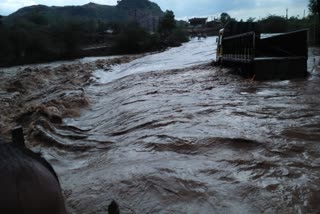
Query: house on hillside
[215, 24]
[203, 27]
[198, 22]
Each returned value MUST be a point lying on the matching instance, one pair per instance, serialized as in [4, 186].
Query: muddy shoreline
[49, 91]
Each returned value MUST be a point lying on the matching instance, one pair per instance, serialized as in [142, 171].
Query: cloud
[8, 6]
[240, 9]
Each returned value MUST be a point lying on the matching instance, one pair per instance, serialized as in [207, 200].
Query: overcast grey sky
[240, 9]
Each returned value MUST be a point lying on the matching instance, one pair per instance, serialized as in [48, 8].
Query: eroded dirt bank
[187, 140]
[50, 92]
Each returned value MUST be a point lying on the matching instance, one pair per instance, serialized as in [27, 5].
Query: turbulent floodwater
[163, 137]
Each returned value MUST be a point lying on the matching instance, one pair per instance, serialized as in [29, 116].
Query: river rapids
[168, 133]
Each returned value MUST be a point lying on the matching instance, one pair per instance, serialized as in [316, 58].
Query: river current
[167, 133]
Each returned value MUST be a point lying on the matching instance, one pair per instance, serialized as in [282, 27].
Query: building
[198, 22]
[215, 24]
[203, 27]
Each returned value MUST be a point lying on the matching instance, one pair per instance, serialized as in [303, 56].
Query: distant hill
[144, 12]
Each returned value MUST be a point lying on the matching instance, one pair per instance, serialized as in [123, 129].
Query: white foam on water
[195, 52]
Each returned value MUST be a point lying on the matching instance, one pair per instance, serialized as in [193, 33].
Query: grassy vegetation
[35, 40]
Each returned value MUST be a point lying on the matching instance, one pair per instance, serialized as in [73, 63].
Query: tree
[273, 24]
[314, 7]
[132, 39]
[38, 19]
[72, 35]
[225, 18]
[4, 41]
[171, 34]
[251, 19]
[167, 23]
[133, 3]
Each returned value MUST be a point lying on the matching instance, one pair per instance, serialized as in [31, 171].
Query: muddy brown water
[192, 140]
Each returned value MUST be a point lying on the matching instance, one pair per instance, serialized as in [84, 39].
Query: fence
[239, 48]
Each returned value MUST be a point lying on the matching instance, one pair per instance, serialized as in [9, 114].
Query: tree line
[36, 39]
[279, 24]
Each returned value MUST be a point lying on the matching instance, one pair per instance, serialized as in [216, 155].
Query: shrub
[134, 39]
[176, 37]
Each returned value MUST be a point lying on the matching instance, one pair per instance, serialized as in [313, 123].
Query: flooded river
[167, 133]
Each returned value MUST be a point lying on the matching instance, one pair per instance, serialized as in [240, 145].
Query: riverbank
[53, 91]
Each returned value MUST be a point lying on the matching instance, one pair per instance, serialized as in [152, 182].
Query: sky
[184, 9]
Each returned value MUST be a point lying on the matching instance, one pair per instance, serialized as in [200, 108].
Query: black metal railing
[239, 48]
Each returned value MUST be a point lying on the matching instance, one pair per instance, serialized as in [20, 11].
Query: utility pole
[287, 17]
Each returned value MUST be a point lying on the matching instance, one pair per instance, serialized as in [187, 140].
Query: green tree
[273, 24]
[314, 6]
[177, 37]
[133, 3]
[19, 38]
[171, 34]
[167, 23]
[251, 19]
[72, 34]
[225, 18]
[5, 42]
[130, 39]
[38, 19]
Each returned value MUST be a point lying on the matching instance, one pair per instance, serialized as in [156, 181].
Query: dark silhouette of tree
[38, 19]
[72, 32]
[251, 19]
[171, 34]
[167, 23]
[273, 24]
[314, 8]
[131, 39]
[133, 3]
[225, 18]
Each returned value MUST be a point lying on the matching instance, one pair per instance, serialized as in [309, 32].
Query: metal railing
[239, 48]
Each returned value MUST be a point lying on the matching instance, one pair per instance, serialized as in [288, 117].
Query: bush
[167, 23]
[273, 24]
[171, 35]
[177, 37]
[134, 39]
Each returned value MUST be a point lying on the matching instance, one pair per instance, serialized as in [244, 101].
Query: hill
[144, 12]
[41, 33]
